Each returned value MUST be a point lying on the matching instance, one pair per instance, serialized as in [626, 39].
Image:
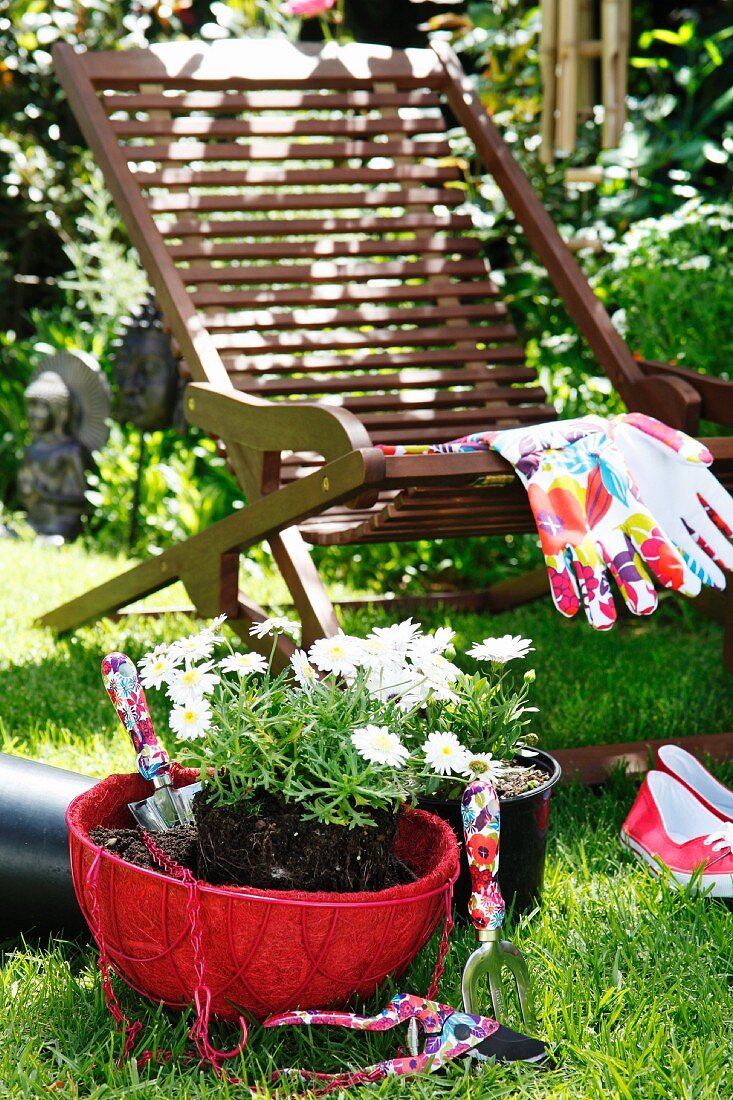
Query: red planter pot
[263, 951]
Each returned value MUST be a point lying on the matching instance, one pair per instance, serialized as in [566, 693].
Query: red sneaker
[688, 771]
[668, 825]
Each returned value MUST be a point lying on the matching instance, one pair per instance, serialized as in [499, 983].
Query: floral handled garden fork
[481, 825]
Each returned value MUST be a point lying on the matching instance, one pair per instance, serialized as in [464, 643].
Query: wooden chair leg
[310, 599]
[146, 578]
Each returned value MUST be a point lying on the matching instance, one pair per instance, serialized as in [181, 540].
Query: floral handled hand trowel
[167, 806]
[481, 826]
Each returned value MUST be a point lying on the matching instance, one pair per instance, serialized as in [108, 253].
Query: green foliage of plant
[667, 284]
[681, 134]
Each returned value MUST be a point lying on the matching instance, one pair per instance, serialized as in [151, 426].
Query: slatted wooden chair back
[298, 211]
[308, 206]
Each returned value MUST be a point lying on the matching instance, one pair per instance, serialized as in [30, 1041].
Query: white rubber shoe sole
[715, 886]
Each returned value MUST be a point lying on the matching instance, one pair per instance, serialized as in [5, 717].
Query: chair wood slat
[184, 178]
[249, 375]
[294, 227]
[262, 343]
[325, 247]
[262, 64]
[423, 292]
[320, 200]
[425, 399]
[284, 320]
[407, 381]
[443, 426]
[279, 151]
[323, 271]
[275, 100]
[275, 127]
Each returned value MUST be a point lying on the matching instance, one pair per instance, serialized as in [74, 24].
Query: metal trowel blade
[167, 807]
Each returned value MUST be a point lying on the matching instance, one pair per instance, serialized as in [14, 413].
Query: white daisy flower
[243, 663]
[303, 670]
[334, 654]
[482, 765]
[389, 681]
[276, 625]
[501, 650]
[438, 669]
[190, 720]
[379, 746]
[430, 644]
[375, 653]
[215, 626]
[192, 682]
[397, 637]
[156, 668]
[196, 647]
[445, 754]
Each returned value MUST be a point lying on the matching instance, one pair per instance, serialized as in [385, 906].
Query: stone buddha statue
[67, 401]
[146, 372]
[51, 481]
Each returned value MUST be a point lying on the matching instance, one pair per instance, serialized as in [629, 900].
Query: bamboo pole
[591, 173]
[622, 78]
[567, 89]
[610, 27]
[586, 67]
[548, 65]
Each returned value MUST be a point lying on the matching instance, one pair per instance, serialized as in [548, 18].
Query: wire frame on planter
[261, 951]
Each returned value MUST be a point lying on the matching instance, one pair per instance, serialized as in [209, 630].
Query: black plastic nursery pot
[522, 846]
[35, 873]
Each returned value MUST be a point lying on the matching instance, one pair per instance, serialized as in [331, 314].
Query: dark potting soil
[275, 849]
[270, 850]
[180, 843]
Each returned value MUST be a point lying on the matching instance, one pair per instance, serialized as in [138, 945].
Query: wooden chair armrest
[266, 426]
[716, 393]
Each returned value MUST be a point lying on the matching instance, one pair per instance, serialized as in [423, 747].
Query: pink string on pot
[199, 1033]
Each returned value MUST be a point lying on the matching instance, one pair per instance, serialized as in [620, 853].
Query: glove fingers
[665, 438]
[660, 555]
[563, 585]
[592, 582]
[711, 537]
[629, 573]
[719, 506]
[700, 557]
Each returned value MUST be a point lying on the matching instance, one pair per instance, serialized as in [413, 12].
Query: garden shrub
[667, 286]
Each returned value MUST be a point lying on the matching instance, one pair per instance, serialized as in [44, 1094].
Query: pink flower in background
[306, 8]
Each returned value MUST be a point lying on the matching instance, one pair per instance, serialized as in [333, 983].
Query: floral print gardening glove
[671, 473]
[591, 519]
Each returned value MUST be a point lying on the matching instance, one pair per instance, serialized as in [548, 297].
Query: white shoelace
[722, 840]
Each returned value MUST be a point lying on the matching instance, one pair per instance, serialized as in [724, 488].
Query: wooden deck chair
[295, 207]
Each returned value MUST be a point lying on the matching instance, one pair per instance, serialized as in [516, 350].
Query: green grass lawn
[632, 979]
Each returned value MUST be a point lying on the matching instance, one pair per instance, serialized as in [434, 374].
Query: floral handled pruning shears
[449, 1034]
